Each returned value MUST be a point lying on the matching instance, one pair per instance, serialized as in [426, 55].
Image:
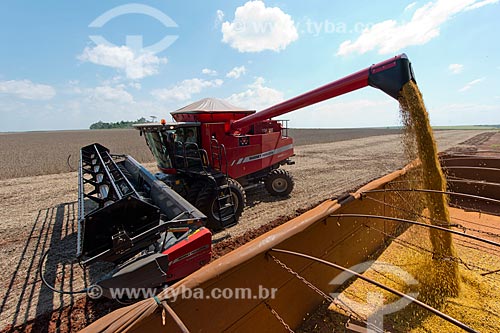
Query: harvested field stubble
[42, 153]
[322, 171]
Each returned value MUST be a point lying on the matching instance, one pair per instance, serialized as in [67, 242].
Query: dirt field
[42, 153]
[38, 213]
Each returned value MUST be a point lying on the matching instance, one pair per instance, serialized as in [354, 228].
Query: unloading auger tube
[389, 76]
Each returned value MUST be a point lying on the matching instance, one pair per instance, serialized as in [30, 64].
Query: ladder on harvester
[225, 199]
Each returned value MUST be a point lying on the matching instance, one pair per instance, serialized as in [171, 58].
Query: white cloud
[236, 72]
[208, 71]
[456, 68]
[257, 96]
[105, 92]
[481, 4]
[108, 93]
[26, 89]
[185, 89]
[135, 85]
[256, 28]
[219, 17]
[390, 36]
[135, 66]
[471, 84]
[410, 6]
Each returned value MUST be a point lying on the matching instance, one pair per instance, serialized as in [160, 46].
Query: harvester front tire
[207, 201]
[239, 196]
[279, 182]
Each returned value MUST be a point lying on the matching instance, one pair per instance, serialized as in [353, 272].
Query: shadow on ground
[26, 297]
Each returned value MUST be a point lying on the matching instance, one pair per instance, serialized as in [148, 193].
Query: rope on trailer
[470, 196]
[382, 286]
[458, 260]
[475, 246]
[443, 223]
[166, 308]
[490, 272]
[344, 307]
[418, 248]
[280, 319]
[453, 204]
[465, 195]
[475, 210]
[419, 224]
[447, 177]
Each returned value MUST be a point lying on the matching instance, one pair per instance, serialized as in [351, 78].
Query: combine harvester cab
[129, 218]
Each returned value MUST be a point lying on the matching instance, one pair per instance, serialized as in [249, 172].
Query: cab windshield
[159, 144]
[163, 143]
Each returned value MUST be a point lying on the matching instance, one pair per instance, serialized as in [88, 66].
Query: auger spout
[389, 76]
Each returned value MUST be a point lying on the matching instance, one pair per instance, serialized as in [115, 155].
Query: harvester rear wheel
[207, 203]
[279, 182]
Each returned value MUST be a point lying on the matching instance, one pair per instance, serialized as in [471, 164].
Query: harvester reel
[279, 182]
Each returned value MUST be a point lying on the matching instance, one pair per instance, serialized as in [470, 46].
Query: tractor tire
[206, 202]
[279, 183]
[194, 191]
[239, 196]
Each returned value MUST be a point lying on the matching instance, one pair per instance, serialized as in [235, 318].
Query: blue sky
[54, 75]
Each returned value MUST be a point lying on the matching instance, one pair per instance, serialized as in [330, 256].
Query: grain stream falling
[419, 139]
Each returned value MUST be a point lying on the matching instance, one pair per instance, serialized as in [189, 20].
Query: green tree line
[118, 124]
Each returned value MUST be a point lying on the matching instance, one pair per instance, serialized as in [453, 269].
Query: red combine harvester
[214, 151]
[152, 227]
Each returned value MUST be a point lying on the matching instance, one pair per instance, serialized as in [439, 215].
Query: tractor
[214, 151]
